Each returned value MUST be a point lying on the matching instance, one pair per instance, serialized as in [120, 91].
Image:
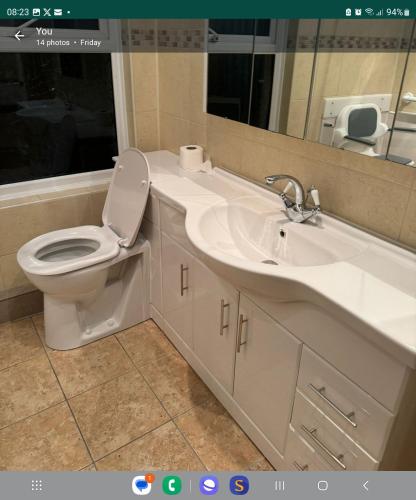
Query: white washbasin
[365, 282]
[258, 230]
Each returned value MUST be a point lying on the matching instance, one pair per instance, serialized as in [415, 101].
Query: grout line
[32, 415]
[66, 399]
[172, 419]
[21, 362]
[130, 442]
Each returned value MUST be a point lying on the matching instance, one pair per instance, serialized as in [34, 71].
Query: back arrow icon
[365, 485]
[19, 35]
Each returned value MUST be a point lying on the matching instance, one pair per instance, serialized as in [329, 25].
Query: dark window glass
[232, 26]
[56, 115]
[262, 90]
[263, 27]
[229, 78]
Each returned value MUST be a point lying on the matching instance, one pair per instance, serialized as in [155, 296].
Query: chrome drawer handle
[241, 321]
[183, 287]
[336, 458]
[302, 468]
[222, 326]
[348, 417]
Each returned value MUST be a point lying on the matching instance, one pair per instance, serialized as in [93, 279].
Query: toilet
[95, 279]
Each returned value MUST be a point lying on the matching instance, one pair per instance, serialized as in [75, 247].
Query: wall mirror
[349, 84]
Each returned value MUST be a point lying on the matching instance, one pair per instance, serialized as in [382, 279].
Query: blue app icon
[239, 485]
[208, 485]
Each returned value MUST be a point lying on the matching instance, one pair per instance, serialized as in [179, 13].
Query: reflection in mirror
[403, 138]
[358, 74]
[259, 72]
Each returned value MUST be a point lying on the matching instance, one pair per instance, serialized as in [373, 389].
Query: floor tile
[88, 366]
[48, 440]
[26, 389]
[163, 449]
[145, 342]
[18, 342]
[218, 440]
[175, 383]
[115, 413]
[39, 322]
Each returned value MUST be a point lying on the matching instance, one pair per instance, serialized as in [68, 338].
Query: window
[57, 111]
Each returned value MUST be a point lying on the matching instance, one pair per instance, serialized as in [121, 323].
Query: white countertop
[376, 287]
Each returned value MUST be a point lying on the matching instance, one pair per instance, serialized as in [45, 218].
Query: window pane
[56, 115]
[232, 26]
[229, 78]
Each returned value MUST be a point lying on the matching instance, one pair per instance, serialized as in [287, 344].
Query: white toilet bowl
[95, 279]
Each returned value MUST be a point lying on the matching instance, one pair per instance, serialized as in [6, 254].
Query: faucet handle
[315, 195]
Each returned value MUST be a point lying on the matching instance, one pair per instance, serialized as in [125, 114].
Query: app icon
[142, 485]
[172, 485]
[239, 485]
[208, 485]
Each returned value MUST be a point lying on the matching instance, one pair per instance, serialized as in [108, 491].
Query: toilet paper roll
[191, 157]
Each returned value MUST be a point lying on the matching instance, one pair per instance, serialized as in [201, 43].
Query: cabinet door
[177, 279]
[215, 312]
[266, 369]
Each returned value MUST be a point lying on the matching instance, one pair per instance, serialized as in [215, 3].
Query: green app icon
[172, 485]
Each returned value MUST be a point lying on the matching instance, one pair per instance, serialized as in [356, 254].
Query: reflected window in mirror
[259, 72]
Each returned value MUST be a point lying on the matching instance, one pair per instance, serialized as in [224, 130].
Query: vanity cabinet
[266, 368]
[177, 288]
[215, 310]
[308, 390]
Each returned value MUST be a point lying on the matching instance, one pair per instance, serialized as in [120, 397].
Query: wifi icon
[369, 12]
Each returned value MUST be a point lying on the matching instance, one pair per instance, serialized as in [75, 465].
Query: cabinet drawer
[172, 222]
[301, 456]
[352, 409]
[331, 442]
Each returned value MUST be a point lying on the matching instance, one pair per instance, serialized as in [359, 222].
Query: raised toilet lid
[127, 195]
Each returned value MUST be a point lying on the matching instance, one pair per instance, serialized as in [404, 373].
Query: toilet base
[122, 303]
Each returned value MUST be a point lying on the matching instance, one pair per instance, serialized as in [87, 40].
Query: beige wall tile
[144, 74]
[12, 275]
[174, 132]
[408, 230]
[147, 131]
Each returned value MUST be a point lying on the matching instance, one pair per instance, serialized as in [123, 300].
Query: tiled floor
[126, 402]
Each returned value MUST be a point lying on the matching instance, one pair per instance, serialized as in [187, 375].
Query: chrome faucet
[296, 210]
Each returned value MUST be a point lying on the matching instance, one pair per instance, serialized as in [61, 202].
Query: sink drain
[269, 261]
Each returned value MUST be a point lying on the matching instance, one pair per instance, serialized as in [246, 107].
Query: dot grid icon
[36, 484]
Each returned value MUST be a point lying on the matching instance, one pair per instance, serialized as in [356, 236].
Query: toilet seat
[67, 250]
[58, 252]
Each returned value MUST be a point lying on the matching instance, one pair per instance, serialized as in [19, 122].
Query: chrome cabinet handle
[183, 288]
[301, 467]
[348, 417]
[241, 321]
[222, 326]
[336, 458]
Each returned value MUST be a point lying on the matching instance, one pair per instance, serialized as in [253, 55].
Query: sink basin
[256, 229]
